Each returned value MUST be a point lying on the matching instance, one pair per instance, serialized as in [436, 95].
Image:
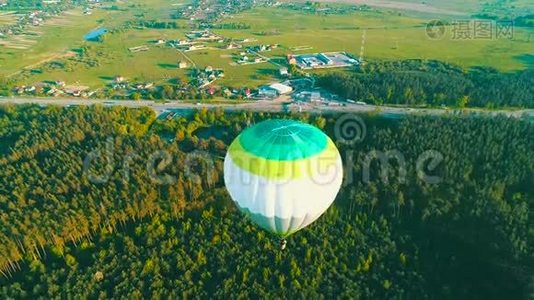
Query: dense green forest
[419, 82]
[64, 234]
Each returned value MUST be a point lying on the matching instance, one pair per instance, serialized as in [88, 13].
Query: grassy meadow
[388, 36]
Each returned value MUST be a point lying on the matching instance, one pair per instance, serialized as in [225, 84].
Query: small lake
[95, 34]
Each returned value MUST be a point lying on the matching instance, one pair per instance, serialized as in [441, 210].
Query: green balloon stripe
[283, 140]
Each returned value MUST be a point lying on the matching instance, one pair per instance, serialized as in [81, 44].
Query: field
[40, 44]
[7, 17]
[389, 36]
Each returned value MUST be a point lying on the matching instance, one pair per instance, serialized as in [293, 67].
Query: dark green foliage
[61, 235]
[416, 82]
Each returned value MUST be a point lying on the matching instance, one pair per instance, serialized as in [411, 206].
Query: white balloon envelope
[283, 174]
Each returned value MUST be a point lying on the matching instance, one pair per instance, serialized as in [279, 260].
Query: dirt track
[419, 7]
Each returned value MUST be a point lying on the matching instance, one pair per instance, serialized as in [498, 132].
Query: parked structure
[322, 60]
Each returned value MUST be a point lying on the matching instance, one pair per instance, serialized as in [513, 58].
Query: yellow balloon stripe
[289, 169]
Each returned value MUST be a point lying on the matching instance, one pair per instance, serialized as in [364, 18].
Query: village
[293, 81]
[202, 82]
[205, 12]
[37, 17]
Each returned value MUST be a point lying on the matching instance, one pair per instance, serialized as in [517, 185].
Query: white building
[282, 89]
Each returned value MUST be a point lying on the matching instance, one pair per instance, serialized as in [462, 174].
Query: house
[182, 65]
[267, 92]
[208, 69]
[119, 79]
[283, 72]
[233, 46]
[274, 90]
[20, 90]
[227, 92]
[75, 90]
[52, 91]
[145, 86]
[291, 60]
[195, 47]
[315, 97]
[138, 48]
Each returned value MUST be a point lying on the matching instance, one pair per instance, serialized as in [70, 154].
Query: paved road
[261, 105]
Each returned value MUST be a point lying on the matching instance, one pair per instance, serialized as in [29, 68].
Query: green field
[389, 36]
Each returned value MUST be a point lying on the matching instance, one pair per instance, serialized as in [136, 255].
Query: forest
[434, 83]
[64, 234]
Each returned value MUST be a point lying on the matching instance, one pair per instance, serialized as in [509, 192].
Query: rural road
[260, 105]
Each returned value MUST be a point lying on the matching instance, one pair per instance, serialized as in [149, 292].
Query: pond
[95, 34]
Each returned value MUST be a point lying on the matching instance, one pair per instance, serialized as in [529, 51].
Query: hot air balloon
[283, 174]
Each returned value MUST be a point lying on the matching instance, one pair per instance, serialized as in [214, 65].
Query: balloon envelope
[283, 174]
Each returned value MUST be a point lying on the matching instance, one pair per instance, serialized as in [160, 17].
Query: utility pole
[362, 50]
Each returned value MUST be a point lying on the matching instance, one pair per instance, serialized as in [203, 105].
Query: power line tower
[362, 50]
